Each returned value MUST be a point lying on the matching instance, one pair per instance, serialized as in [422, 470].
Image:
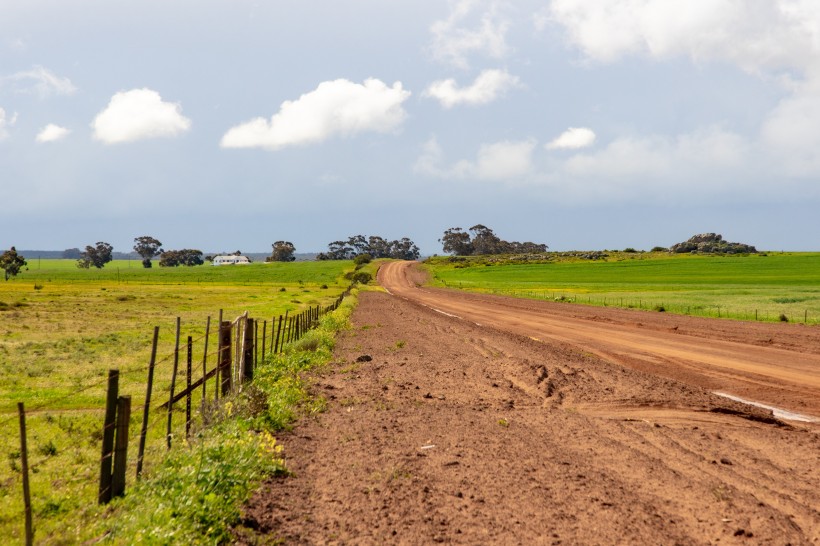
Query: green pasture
[763, 286]
[62, 329]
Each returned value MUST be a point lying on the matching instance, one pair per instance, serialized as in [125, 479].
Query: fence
[658, 304]
[168, 415]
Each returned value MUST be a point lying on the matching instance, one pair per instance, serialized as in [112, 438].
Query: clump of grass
[783, 318]
[660, 308]
[38, 286]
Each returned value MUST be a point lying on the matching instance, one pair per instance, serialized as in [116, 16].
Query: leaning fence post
[106, 461]
[248, 350]
[26, 488]
[224, 364]
[147, 408]
[121, 449]
[173, 385]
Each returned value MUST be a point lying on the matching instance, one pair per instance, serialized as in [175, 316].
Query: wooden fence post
[147, 408]
[188, 373]
[224, 364]
[173, 385]
[278, 331]
[26, 488]
[121, 448]
[205, 359]
[104, 495]
[255, 343]
[264, 337]
[248, 351]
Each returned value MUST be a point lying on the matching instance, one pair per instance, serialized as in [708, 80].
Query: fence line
[233, 366]
[658, 304]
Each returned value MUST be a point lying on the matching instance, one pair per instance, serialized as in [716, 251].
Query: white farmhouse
[230, 260]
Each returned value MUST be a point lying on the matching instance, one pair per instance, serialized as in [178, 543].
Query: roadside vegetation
[62, 328]
[764, 286]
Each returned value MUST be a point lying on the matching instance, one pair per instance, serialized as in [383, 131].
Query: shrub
[783, 318]
[630, 250]
[362, 259]
[659, 249]
[362, 277]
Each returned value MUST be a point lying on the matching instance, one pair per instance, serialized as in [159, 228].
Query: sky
[582, 124]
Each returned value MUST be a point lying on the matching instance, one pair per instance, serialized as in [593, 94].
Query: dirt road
[438, 430]
[727, 356]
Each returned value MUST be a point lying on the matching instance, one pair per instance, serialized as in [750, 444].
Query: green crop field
[763, 286]
[62, 329]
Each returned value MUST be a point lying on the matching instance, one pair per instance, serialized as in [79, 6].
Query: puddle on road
[777, 412]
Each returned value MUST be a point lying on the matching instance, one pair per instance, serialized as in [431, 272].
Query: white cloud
[5, 123]
[791, 133]
[573, 138]
[504, 160]
[136, 115]
[759, 36]
[488, 86]
[338, 107]
[711, 150]
[452, 42]
[42, 82]
[52, 133]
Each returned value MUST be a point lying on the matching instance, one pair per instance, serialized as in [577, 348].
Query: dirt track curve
[726, 356]
[441, 430]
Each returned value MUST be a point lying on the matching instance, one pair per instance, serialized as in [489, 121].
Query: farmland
[62, 329]
[742, 287]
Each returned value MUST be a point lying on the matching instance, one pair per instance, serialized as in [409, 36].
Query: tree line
[480, 240]
[374, 246]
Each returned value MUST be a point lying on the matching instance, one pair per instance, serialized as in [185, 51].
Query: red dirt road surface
[548, 423]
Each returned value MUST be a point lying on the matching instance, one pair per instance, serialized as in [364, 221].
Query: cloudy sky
[585, 124]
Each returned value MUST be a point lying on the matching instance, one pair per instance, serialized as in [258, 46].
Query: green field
[62, 329]
[740, 287]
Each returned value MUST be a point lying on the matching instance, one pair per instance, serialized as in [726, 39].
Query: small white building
[230, 260]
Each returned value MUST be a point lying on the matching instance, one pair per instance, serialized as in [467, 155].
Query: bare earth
[549, 423]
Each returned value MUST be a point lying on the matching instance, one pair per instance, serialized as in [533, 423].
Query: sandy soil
[458, 433]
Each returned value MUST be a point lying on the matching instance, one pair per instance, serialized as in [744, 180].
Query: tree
[375, 246]
[186, 256]
[11, 262]
[97, 256]
[457, 242]
[283, 252]
[484, 241]
[72, 254]
[147, 247]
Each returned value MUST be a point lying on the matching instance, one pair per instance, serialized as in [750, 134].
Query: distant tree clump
[97, 255]
[147, 247]
[186, 256]
[484, 241]
[11, 262]
[711, 243]
[375, 246]
[71, 254]
[283, 252]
